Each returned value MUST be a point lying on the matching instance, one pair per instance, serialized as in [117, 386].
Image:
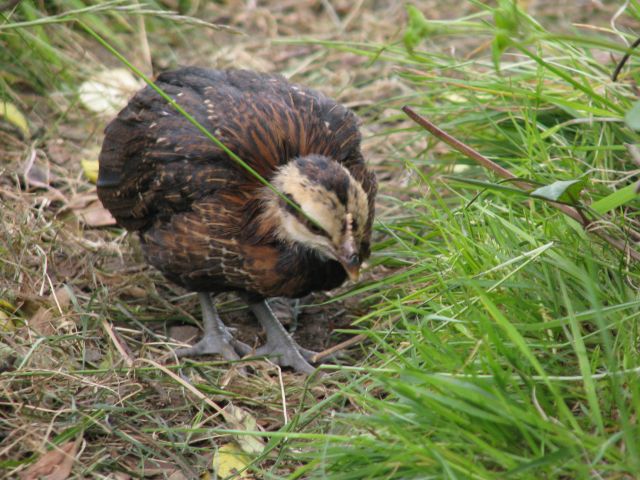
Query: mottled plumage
[208, 224]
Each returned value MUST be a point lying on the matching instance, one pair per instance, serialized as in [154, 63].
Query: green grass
[502, 336]
[509, 343]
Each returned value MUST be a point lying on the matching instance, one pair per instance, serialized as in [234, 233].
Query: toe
[287, 357]
[210, 345]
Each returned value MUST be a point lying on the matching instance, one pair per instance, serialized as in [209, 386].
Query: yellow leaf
[11, 113]
[240, 419]
[7, 305]
[90, 168]
[230, 460]
[6, 322]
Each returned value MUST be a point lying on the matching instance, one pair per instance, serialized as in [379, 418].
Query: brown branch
[336, 348]
[503, 172]
[616, 72]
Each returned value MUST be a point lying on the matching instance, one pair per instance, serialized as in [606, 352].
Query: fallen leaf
[184, 333]
[81, 200]
[95, 215]
[242, 420]
[108, 91]
[177, 475]
[36, 173]
[42, 321]
[56, 464]
[90, 169]
[229, 460]
[135, 292]
[14, 116]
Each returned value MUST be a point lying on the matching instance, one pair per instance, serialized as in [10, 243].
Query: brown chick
[210, 226]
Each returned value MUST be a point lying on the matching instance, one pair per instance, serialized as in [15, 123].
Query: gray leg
[280, 346]
[216, 339]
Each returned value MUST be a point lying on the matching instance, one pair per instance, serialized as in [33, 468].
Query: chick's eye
[315, 229]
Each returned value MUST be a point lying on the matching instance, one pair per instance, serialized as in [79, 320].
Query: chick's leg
[280, 346]
[216, 339]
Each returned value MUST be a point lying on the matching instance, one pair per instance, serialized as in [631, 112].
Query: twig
[503, 172]
[341, 346]
[623, 61]
[201, 396]
[283, 396]
[122, 348]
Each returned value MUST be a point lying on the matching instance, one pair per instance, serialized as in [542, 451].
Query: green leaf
[498, 46]
[418, 28]
[632, 117]
[506, 16]
[566, 191]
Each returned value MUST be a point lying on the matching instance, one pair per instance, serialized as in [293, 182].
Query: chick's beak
[349, 259]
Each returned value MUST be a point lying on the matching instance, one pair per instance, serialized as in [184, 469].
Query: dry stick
[503, 172]
[120, 345]
[618, 69]
[341, 346]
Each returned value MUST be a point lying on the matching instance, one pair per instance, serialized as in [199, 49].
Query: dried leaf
[229, 460]
[90, 169]
[15, 117]
[135, 292]
[56, 464]
[42, 321]
[95, 215]
[184, 333]
[81, 200]
[108, 91]
[242, 420]
[177, 475]
[38, 174]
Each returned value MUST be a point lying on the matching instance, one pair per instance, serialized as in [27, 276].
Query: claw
[217, 340]
[210, 345]
[280, 347]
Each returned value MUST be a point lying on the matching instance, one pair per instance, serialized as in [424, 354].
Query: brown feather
[199, 214]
